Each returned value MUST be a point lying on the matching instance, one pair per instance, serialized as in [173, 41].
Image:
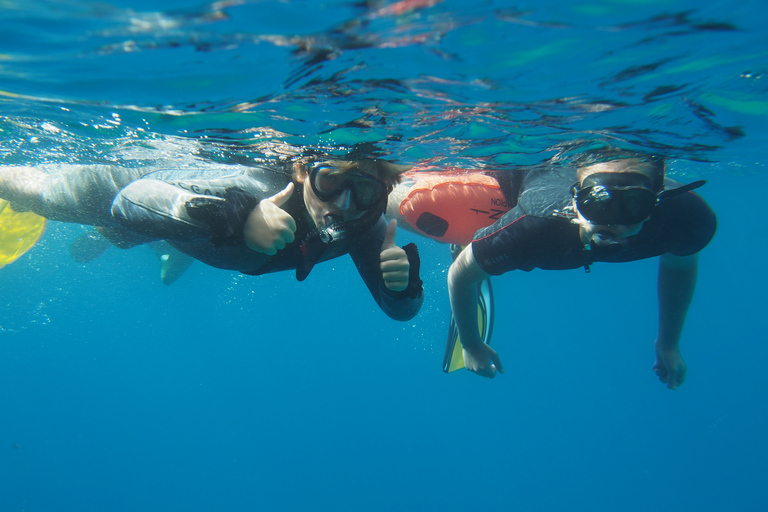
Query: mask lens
[367, 190]
[611, 205]
[637, 204]
[327, 183]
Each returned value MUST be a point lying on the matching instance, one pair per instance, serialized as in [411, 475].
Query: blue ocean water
[230, 392]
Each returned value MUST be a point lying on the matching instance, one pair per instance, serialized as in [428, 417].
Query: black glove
[415, 284]
[225, 217]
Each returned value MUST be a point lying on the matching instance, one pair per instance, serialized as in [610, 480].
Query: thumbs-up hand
[269, 228]
[394, 261]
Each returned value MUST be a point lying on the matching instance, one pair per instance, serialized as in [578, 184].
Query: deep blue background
[229, 392]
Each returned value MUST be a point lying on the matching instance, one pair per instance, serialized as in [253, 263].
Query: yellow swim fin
[19, 232]
[454, 356]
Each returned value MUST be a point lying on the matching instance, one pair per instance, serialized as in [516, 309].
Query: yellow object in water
[19, 232]
[454, 351]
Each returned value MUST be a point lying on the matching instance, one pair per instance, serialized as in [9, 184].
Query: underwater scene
[134, 378]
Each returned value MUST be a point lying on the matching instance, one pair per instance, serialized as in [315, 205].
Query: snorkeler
[612, 208]
[254, 220]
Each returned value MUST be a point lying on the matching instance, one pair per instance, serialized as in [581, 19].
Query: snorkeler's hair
[386, 171]
[624, 161]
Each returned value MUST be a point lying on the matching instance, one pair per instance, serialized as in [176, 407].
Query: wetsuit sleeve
[225, 217]
[162, 210]
[501, 247]
[692, 222]
[400, 306]
[683, 226]
[519, 241]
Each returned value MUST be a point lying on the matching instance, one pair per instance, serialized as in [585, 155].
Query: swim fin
[454, 356]
[173, 263]
[89, 246]
[19, 232]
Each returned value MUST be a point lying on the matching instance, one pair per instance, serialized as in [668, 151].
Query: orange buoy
[450, 207]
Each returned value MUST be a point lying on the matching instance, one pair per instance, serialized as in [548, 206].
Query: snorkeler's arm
[463, 277]
[675, 287]
[162, 210]
[157, 209]
[398, 305]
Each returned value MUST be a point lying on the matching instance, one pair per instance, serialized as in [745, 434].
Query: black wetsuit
[133, 206]
[540, 233]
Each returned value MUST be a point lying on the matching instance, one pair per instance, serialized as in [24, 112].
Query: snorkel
[341, 230]
[616, 192]
[621, 201]
[317, 241]
[360, 173]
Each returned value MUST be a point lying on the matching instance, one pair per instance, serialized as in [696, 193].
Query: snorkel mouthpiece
[333, 232]
[317, 241]
[606, 244]
[602, 240]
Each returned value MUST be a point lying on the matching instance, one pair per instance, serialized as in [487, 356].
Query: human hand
[269, 228]
[669, 366]
[481, 359]
[394, 261]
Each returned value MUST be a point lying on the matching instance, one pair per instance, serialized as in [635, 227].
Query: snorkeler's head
[338, 191]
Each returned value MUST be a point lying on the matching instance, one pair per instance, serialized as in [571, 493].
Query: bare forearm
[462, 290]
[676, 284]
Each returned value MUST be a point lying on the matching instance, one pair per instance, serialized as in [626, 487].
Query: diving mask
[615, 198]
[328, 182]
